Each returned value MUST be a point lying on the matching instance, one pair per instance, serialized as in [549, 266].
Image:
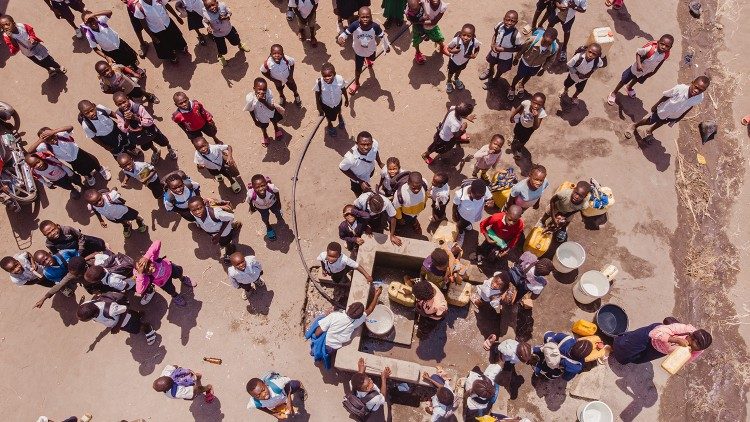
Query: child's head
[513, 215]
[439, 258]
[87, 311]
[277, 52]
[42, 130]
[549, 36]
[543, 267]
[439, 180]
[94, 274]
[415, 181]
[163, 384]
[328, 72]
[393, 166]
[104, 69]
[464, 109]
[362, 382]
[11, 265]
[90, 20]
[414, 5]
[87, 109]
[423, 290]
[538, 100]
[665, 43]
[445, 396]
[467, 32]
[93, 197]
[497, 281]
[375, 203]
[580, 350]
[200, 144]
[365, 16]
[483, 388]
[258, 389]
[349, 213]
[496, 143]
[260, 86]
[175, 184]
[181, 100]
[77, 266]
[580, 192]
[50, 230]
[364, 142]
[259, 184]
[238, 261]
[197, 207]
[35, 162]
[699, 85]
[43, 258]
[125, 161]
[355, 310]
[121, 101]
[537, 176]
[333, 252]
[477, 189]
[699, 340]
[211, 5]
[523, 352]
[7, 24]
[435, 3]
[511, 19]
[593, 51]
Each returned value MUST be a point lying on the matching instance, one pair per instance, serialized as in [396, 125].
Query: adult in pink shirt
[152, 270]
[657, 340]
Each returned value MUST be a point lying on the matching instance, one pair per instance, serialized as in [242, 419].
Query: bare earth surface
[671, 262]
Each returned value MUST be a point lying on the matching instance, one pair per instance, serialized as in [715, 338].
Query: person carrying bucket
[658, 340]
[567, 203]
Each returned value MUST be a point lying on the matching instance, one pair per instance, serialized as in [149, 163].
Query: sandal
[188, 281]
[126, 232]
[271, 234]
[511, 95]
[297, 100]
[353, 88]
[628, 134]
[419, 58]
[427, 159]
[608, 3]
[278, 134]
[459, 85]
[648, 139]
[236, 187]
[745, 120]
[611, 99]
[264, 142]
[631, 93]
[142, 228]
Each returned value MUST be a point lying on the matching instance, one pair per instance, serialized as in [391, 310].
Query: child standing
[393, 11]
[336, 265]
[193, 118]
[532, 58]
[140, 127]
[111, 205]
[244, 273]
[469, 202]
[279, 68]
[216, 221]
[366, 35]
[505, 42]
[329, 89]
[488, 157]
[353, 227]
[101, 125]
[648, 61]
[359, 162]
[391, 177]
[440, 194]
[463, 47]
[152, 270]
[365, 389]
[61, 144]
[145, 173]
[119, 78]
[431, 13]
[182, 383]
[217, 15]
[178, 189]
[107, 43]
[111, 310]
[305, 10]
[443, 403]
[565, 13]
[62, 10]
[168, 39]
[451, 131]
[53, 173]
[218, 160]
[528, 117]
[263, 196]
[410, 199]
[259, 104]
[193, 10]
[580, 68]
[21, 37]
[54, 267]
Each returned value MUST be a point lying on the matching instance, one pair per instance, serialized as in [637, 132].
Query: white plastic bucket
[568, 257]
[592, 286]
[595, 411]
[380, 321]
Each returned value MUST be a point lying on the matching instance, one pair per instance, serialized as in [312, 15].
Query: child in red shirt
[501, 232]
[193, 118]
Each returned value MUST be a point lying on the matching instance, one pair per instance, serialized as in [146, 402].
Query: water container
[501, 197]
[538, 242]
[458, 294]
[565, 185]
[584, 328]
[592, 286]
[593, 212]
[595, 411]
[380, 321]
[610, 271]
[604, 36]
[401, 294]
[568, 257]
[676, 360]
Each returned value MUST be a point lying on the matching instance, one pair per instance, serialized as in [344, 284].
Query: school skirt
[170, 42]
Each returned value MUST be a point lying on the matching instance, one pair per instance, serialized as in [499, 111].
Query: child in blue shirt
[54, 267]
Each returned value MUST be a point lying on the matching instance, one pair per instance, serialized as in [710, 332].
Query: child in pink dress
[152, 270]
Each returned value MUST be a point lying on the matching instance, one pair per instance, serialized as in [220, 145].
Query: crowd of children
[128, 129]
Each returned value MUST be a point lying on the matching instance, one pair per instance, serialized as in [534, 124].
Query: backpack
[119, 263]
[470, 48]
[81, 118]
[552, 355]
[283, 59]
[513, 34]
[401, 182]
[400, 179]
[538, 34]
[253, 194]
[652, 50]
[357, 406]
[271, 386]
[582, 50]
[182, 377]
[169, 196]
[107, 299]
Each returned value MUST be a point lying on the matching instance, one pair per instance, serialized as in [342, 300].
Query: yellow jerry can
[604, 36]
[401, 294]
[501, 197]
[459, 294]
[584, 328]
[538, 242]
[676, 360]
[565, 185]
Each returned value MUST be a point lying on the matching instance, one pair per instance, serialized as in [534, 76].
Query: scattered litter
[209, 334]
[701, 159]
[695, 8]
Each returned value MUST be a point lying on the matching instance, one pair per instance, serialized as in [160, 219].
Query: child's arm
[99, 217]
[374, 302]
[661, 100]
[346, 96]
[175, 14]
[426, 378]
[378, 160]
[229, 156]
[123, 178]
[364, 272]
[319, 102]
[515, 112]
[291, 72]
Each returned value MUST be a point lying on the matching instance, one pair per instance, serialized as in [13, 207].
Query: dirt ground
[58, 367]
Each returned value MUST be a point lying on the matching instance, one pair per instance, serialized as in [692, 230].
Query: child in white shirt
[365, 37]
[328, 91]
[334, 264]
[244, 273]
[440, 193]
[22, 268]
[306, 12]
[264, 112]
[53, 173]
[279, 68]
[111, 205]
[443, 403]
[580, 68]
[263, 196]
[144, 173]
[218, 160]
[462, 48]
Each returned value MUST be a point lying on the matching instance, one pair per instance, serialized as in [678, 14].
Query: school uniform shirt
[583, 67]
[211, 226]
[213, 159]
[678, 103]
[29, 267]
[330, 94]
[279, 71]
[105, 38]
[364, 39]
[485, 159]
[64, 150]
[525, 118]
[564, 204]
[490, 372]
[440, 195]
[180, 201]
[341, 264]
[305, 7]
[117, 281]
[274, 399]
[178, 391]
[361, 204]
[193, 5]
[250, 275]
[440, 411]
[583, 4]
[525, 195]
[413, 203]
[119, 81]
[143, 172]
[25, 37]
[506, 38]
[115, 310]
[102, 125]
[465, 50]
[53, 172]
[262, 113]
[470, 209]
[361, 165]
[339, 328]
[266, 202]
[155, 14]
[535, 283]
[376, 402]
[485, 290]
[496, 222]
[219, 27]
[110, 210]
[431, 14]
[648, 64]
[451, 125]
[507, 349]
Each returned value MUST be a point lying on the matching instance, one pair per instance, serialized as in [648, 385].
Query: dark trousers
[47, 62]
[221, 42]
[265, 215]
[67, 182]
[169, 286]
[85, 164]
[170, 42]
[290, 83]
[438, 210]
[156, 188]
